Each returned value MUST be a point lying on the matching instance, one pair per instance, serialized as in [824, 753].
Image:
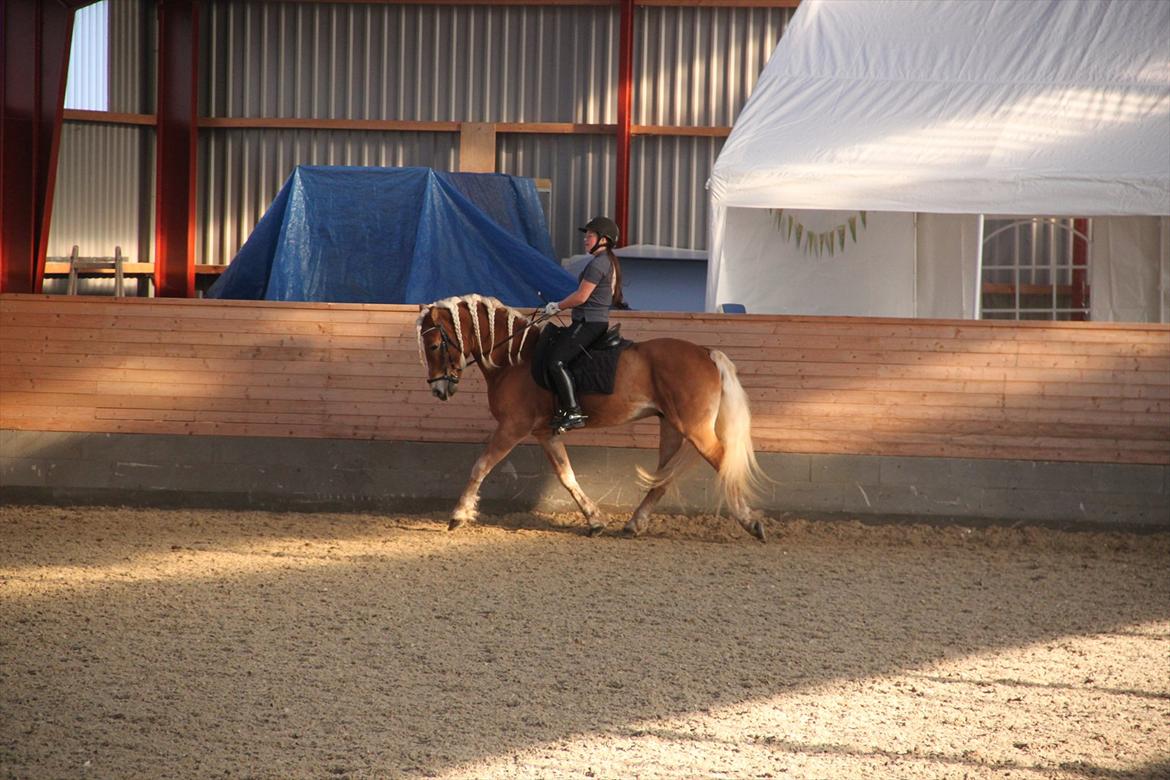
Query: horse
[694, 391]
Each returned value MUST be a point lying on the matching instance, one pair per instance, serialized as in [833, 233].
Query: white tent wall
[1043, 108]
[901, 265]
[947, 265]
[872, 277]
[1128, 269]
[924, 265]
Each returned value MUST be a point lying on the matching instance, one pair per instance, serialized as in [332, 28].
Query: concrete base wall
[397, 476]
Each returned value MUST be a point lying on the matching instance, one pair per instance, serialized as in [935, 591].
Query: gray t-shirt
[596, 309]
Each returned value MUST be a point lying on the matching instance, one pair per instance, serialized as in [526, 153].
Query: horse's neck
[498, 338]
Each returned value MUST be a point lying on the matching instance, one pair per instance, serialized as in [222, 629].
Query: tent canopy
[398, 235]
[1039, 107]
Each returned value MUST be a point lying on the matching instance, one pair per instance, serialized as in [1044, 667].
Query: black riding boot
[569, 416]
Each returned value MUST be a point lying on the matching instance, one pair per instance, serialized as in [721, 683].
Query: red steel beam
[1080, 261]
[178, 117]
[625, 103]
[36, 38]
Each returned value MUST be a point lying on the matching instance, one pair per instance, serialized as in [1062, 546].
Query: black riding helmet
[604, 227]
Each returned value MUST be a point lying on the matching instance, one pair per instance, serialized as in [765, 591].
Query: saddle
[593, 371]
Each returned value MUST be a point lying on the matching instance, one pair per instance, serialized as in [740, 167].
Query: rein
[536, 319]
[447, 345]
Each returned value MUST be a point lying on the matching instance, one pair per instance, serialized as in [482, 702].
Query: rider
[599, 289]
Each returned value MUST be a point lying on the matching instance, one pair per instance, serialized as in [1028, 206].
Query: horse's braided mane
[491, 307]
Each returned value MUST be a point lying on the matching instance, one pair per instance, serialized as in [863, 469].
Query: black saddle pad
[593, 372]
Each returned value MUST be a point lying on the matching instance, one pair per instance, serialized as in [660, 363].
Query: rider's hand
[551, 308]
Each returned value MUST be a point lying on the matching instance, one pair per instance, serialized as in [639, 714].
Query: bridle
[445, 340]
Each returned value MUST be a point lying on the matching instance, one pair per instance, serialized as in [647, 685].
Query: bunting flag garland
[818, 242]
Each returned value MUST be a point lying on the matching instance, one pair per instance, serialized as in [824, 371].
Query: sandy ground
[152, 643]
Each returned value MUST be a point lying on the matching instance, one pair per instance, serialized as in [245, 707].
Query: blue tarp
[398, 235]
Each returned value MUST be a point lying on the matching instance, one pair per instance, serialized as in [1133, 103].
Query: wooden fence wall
[1036, 391]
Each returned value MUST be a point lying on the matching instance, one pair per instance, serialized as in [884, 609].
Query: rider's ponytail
[619, 300]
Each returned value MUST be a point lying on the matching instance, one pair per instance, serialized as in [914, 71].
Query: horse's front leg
[499, 445]
[559, 458]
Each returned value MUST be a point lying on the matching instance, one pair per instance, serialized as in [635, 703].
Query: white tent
[857, 177]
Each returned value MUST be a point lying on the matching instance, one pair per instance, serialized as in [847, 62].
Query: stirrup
[568, 420]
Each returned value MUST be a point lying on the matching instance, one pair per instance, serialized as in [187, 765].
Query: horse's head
[440, 351]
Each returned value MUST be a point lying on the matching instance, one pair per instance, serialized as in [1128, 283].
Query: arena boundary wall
[277, 405]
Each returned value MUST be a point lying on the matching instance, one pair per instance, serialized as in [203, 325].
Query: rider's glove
[551, 308]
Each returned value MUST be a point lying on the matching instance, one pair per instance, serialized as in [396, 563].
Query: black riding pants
[572, 342]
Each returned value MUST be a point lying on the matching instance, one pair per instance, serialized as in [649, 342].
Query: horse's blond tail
[741, 480]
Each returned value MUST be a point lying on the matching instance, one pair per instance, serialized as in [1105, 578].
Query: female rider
[599, 289]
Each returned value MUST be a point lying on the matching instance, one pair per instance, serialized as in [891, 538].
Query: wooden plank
[406, 350]
[109, 117]
[319, 335]
[61, 268]
[299, 123]
[691, 131]
[850, 443]
[209, 308]
[477, 147]
[555, 128]
[403, 363]
[865, 385]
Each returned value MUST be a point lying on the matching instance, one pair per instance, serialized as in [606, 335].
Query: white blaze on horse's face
[440, 355]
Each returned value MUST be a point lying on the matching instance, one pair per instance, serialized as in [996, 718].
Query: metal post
[35, 38]
[978, 310]
[178, 94]
[1080, 266]
[625, 103]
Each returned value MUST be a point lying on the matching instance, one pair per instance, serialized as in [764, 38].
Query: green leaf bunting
[816, 242]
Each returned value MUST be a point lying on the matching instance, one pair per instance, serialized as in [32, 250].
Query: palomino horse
[694, 391]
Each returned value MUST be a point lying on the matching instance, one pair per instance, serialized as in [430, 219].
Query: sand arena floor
[158, 643]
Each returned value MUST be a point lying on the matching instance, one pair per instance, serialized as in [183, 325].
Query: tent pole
[978, 308]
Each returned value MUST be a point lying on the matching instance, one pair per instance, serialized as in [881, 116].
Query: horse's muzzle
[443, 389]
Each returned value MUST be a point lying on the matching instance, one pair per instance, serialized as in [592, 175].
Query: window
[1036, 269]
[88, 86]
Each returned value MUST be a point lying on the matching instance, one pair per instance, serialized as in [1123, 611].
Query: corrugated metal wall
[240, 172]
[693, 66]
[697, 66]
[105, 175]
[104, 196]
[87, 86]
[418, 62]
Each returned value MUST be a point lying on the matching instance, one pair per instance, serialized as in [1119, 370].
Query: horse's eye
[433, 347]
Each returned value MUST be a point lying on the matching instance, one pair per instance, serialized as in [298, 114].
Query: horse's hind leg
[499, 445]
[559, 458]
[709, 446]
[669, 442]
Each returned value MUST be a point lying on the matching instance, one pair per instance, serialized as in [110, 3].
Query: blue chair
[733, 308]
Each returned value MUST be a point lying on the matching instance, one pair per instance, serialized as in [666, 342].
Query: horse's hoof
[456, 522]
[758, 530]
[595, 530]
[630, 531]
